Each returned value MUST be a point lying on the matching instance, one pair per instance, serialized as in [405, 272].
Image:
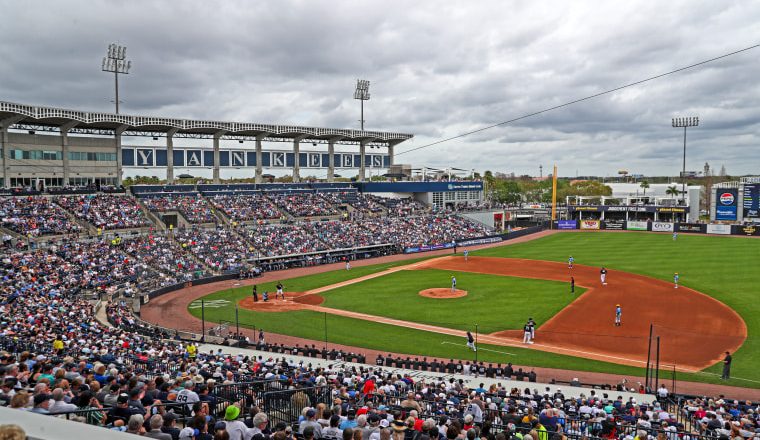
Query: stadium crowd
[286, 239]
[303, 204]
[105, 211]
[220, 249]
[400, 207]
[34, 216]
[194, 208]
[245, 207]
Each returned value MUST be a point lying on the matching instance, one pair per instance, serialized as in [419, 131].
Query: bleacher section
[249, 206]
[303, 204]
[105, 211]
[35, 216]
[194, 208]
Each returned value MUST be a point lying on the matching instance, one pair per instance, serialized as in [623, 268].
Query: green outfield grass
[493, 302]
[725, 268]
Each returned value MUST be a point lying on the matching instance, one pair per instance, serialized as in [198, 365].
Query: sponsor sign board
[666, 209]
[725, 206]
[751, 200]
[663, 227]
[412, 187]
[745, 230]
[614, 225]
[725, 212]
[477, 241]
[428, 247]
[691, 227]
[566, 224]
[718, 229]
[606, 208]
[590, 224]
[637, 226]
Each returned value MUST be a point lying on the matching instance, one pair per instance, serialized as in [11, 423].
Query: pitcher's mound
[274, 305]
[443, 293]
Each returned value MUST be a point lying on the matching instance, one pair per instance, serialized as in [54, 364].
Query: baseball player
[471, 342]
[279, 293]
[466, 254]
[532, 325]
[675, 280]
[618, 314]
[265, 296]
[570, 262]
[348, 264]
[255, 294]
[526, 334]
[675, 235]
[603, 276]
[572, 285]
[453, 284]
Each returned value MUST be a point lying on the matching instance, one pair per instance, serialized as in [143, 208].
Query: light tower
[691, 121]
[362, 94]
[116, 62]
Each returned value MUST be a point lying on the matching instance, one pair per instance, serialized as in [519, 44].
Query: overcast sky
[438, 68]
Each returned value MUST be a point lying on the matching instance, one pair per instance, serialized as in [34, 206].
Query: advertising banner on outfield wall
[718, 229]
[691, 227]
[663, 227]
[637, 226]
[428, 247]
[748, 230]
[590, 224]
[566, 224]
[614, 225]
[477, 241]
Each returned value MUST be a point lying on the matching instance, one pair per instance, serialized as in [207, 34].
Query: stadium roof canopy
[29, 117]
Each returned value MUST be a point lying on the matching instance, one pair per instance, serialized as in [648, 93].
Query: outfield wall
[695, 228]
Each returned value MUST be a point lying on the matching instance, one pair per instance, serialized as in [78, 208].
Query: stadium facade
[59, 147]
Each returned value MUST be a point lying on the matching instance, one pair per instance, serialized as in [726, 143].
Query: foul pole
[554, 195]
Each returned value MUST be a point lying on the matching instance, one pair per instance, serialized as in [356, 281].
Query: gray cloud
[437, 69]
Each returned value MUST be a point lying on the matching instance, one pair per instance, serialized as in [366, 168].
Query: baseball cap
[123, 398]
[310, 413]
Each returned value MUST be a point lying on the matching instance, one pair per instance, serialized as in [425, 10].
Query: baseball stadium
[280, 281]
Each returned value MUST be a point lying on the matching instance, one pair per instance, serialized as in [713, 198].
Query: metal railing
[286, 405]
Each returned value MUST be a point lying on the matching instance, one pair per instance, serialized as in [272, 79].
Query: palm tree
[644, 185]
[672, 191]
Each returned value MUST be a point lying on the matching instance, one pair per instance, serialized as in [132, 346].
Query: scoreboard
[751, 200]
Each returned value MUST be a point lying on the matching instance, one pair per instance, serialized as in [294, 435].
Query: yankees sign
[145, 157]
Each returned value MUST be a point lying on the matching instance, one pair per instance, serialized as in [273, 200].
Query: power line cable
[576, 101]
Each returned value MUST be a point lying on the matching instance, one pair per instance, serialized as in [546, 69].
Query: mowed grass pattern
[493, 302]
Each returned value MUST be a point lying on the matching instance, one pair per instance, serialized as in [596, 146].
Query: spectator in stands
[156, 422]
[311, 422]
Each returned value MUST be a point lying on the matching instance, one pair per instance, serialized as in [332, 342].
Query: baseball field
[380, 307]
